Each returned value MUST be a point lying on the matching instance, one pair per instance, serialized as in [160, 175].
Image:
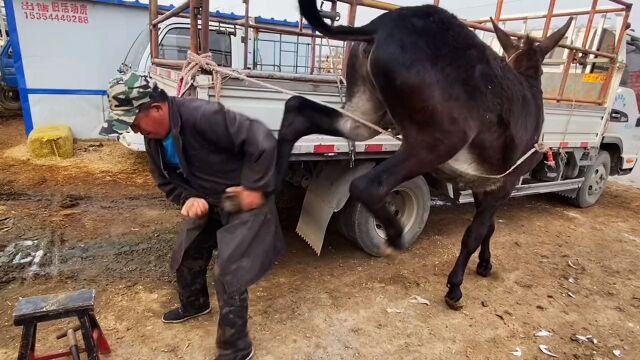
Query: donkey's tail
[309, 10]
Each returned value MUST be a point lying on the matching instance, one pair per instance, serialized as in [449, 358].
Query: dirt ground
[102, 224]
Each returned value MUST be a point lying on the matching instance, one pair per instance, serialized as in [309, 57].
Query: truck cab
[622, 136]
[9, 96]
[224, 43]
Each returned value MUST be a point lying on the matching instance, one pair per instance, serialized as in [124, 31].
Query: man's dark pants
[233, 336]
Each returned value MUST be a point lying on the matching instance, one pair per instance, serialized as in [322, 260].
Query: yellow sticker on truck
[594, 78]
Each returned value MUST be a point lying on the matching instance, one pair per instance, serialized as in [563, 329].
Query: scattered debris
[186, 346]
[582, 339]
[415, 299]
[571, 294]
[392, 310]
[571, 264]
[517, 353]
[439, 203]
[571, 280]
[484, 303]
[70, 201]
[6, 224]
[545, 349]
[543, 333]
[617, 353]
[20, 252]
[36, 260]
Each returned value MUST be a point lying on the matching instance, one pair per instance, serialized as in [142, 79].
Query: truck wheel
[345, 221]
[410, 202]
[595, 179]
[9, 98]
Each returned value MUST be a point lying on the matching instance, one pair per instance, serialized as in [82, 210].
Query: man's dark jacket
[217, 149]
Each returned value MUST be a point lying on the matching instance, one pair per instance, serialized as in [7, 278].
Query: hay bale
[51, 141]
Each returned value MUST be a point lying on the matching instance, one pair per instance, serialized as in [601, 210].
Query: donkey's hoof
[454, 305]
[484, 269]
[388, 251]
[394, 239]
[453, 298]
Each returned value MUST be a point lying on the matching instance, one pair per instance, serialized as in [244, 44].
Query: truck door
[625, 118]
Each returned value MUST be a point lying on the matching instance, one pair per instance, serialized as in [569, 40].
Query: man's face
[152, 121]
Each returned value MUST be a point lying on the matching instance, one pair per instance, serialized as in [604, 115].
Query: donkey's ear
[504, 39]
[554, 39]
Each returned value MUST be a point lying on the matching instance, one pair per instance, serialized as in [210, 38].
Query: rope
[205, 62]
[192, 66]
[339, 78]
[510, 58]
[539, 147]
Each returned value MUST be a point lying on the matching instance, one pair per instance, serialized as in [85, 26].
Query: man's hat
[126, 93]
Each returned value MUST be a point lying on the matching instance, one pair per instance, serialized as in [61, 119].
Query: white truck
[589, 141]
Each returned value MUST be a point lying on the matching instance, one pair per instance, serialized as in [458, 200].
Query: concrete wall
[67, 51]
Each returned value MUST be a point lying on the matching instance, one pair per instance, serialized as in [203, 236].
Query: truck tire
[9, 98]
[345, 221]
[595, 179]
[411, 202]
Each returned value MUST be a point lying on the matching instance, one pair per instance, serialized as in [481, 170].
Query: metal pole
[565, 73]
[169, 63]
[557, 14]
[313, 54]
[554, 98]
[498, 11]
[547, 22]
[204, 31]
[153, 28]
[351, 21]
[255, 50]
[623, 29]
[587, 29]
[246, 33]
[380, 5]
[176, 11]
[474, 25]
[193, 29]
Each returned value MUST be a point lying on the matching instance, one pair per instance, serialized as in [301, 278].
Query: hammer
[231, 203]
[73, 341]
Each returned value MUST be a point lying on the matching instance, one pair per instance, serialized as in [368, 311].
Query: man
[198, 151]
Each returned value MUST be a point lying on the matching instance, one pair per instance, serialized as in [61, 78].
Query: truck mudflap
[327, 193]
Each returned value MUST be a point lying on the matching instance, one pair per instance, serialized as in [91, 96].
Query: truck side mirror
[638, 122]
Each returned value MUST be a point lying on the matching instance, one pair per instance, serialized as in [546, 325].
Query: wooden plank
[54, 304]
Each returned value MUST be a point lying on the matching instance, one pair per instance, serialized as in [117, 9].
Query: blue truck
[9, 95]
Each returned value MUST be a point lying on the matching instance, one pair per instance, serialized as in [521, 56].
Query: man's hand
[195, 208]
[248, 199]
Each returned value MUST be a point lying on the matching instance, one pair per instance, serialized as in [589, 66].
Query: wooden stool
[30, 311]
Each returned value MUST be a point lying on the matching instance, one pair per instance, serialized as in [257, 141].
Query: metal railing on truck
[577, 54]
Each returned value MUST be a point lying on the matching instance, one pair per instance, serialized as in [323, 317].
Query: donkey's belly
[466, 171]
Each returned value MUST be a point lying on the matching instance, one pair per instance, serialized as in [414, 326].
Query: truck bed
[566, 125]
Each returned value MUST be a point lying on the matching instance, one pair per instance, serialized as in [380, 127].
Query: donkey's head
[526, 57]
